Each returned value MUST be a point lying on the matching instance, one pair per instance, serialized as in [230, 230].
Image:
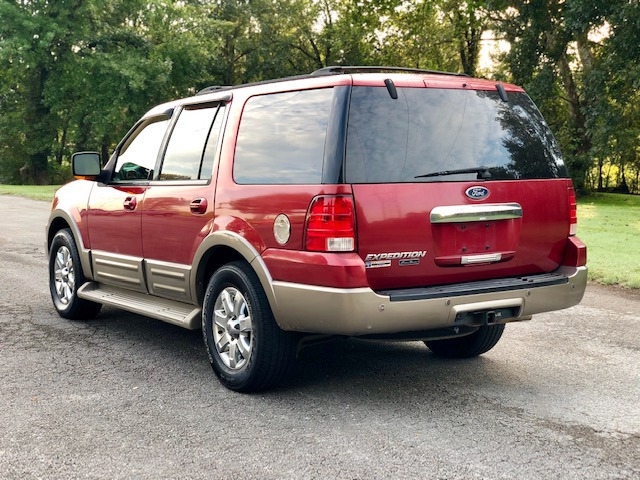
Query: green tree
[416, 37]
[467, 20]
[553, 56]
[76, 75]
[35, 37]
[616, 113]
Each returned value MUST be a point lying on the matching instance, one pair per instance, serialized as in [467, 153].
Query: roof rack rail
[212, 88]
[333, 70]
[218, 88]
[338, 69]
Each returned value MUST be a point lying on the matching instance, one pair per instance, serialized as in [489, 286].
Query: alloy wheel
[232, 328]
[64, 275]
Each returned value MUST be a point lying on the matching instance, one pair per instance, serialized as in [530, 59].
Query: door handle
[130, 203]
[198, 206]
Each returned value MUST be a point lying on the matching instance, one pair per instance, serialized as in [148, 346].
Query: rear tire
[247, 350]
[477, 343]
[66, 276]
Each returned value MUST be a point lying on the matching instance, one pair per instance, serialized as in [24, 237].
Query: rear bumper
[361, 311]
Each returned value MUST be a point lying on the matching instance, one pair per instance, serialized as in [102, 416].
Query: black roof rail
[333, 70]
[218, 88]
[338, 69]
[212, 88]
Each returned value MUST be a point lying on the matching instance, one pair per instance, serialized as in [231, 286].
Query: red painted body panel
[452, 241]
[171, 232]
[343, 270]
[257, 206]
[395, 218]
[432, 81]
[72, 199]
[112, 227]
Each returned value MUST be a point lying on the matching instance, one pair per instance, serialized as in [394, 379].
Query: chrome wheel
[64, 275]
[233, 328]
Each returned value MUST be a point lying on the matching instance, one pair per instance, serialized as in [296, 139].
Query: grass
[609, 224]
[35, 192]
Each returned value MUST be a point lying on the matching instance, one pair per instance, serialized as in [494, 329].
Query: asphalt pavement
[122, 396]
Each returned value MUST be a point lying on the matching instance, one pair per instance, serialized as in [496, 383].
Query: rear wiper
[483, 173]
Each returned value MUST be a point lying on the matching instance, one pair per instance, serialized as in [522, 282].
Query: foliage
[76, 74]
[579, 61]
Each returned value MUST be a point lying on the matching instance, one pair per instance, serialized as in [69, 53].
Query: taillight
[331, 224]
[573, 211]
[575, 254]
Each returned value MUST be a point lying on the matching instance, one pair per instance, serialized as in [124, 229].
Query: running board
[170, 311]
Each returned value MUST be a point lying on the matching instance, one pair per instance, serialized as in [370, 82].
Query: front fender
[69, 208]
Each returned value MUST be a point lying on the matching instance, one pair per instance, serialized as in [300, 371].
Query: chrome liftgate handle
[476, 213]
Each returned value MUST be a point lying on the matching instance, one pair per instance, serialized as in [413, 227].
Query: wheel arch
[60, 220]
[220, 248]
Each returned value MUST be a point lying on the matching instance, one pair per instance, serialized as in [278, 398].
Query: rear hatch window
[428, 134]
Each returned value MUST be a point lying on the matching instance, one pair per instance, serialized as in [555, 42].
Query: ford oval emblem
[477, 193]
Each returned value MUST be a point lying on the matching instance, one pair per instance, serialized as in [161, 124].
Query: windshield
[428, 131]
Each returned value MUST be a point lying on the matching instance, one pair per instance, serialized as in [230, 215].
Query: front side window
[427, 134]
[137, 155]
[190, 150]
[281, 138]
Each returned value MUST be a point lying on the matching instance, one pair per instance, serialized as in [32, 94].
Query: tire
[472, 345]
[247, 350]
[66, 276]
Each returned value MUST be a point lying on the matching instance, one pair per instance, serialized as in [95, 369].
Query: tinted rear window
[281, 138]
[428, 130]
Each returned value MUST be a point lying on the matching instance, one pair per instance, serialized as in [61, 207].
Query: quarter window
[281, 138]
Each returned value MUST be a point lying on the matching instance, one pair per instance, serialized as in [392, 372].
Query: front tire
[247, 350]
[472, 345]
[66, 276]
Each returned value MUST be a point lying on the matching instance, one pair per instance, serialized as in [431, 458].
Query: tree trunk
[578, 123]
[469, 49]
[63, 141]
[600, 165]
[41, 133]
[104, 151]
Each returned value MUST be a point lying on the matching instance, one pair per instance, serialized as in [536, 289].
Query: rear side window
[190, 151]
[435, 132]
[281, 138]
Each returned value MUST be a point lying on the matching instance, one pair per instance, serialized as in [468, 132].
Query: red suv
[377, 202]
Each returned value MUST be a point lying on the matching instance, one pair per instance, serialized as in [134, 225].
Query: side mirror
[85, 165]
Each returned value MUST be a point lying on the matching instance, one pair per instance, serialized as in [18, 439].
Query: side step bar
[170, 311]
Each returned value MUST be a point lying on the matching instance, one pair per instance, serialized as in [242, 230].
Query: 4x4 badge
[477, 192]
